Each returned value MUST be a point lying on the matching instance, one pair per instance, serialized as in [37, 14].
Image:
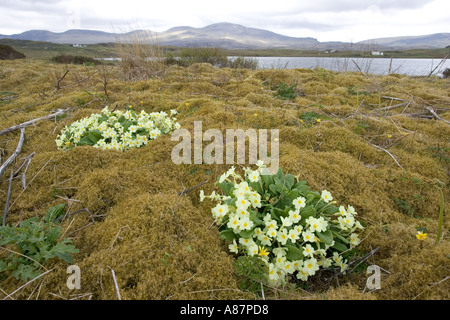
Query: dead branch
[58, 84]
[436, 115]
[439, 64]
[9, 98]
[25, 162]
[75, 83]
[383, 149]
[31, 122]
[365, 75]
[190, 189]
[15, 154]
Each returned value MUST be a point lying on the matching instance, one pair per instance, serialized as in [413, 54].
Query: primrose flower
[273, 274]
[282, 237]
[299, 203]
[308, 250]
[326, 196]
[245, 223]
[310, 266]
[272, 232]
[354, 239]
[253, 176]
[233, 247]
[308, 236]
[242, 203]
[294, 216]
[265, 239]
[219, 211]
[293, 235]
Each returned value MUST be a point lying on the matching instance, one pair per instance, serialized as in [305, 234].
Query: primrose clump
[117, 130]
[291, 229]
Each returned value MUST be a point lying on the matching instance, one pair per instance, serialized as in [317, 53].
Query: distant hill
[432, 41]
[230, 36]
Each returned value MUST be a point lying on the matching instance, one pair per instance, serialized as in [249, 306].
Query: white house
[377, 53]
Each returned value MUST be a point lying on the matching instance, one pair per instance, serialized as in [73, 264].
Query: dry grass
[160, 244]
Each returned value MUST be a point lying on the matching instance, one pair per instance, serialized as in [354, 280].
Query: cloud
[325, 20]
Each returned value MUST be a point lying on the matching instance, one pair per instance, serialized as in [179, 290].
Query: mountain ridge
[230, 36]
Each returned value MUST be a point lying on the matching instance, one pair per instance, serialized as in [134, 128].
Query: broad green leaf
[227, 235]
[246, 234]
[289, 181]
[307, 212]
[339, 246]
[326, 237]
[293, 253]
[226, 187]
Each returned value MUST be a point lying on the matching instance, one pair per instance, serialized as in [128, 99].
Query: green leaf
[280, 174]
[226, 187]
[227, 235]
[289, 182]
[25, 272]
[54, 212]
[330, 209]
[339, 246]
[63, 250]
[246, 234]
[256, 186]
[326, 237]
[307, 212]
[91, 138]
[293, 253]
[273, 188]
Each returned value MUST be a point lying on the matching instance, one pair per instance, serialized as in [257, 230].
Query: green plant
[289, 227]
[286, 93]
[117, 130]
[440, 185]
[404, 206]
[33, 243]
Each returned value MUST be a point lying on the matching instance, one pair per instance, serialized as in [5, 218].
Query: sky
[325, 20]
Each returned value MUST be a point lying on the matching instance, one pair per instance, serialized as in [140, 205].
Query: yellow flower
[318, 120]
[263, 252]
[421, 236]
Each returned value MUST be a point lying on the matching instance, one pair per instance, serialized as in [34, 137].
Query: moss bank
[340, 133]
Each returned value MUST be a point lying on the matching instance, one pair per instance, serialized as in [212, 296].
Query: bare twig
[39, 276]
[436, 115]
[76, 83]
[27, 162]
[190, 189]
[365, 75]
[7, 198]
[15, 154]
[31, 122]
[58, 84]
[9, 98]
[115, 283]
[440, 63]
[383, 149]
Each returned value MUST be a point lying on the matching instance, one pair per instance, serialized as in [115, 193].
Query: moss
[160, 244]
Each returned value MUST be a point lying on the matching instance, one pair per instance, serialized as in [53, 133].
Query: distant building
[377, 53]
[79, 45]
[331, 51]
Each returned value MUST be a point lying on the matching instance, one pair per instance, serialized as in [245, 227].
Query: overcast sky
[325, 20]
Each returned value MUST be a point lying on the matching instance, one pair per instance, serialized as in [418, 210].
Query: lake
[380, 66]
